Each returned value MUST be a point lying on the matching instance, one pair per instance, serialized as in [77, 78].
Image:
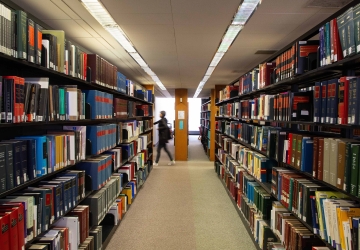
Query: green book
[355, 150]
[342, 33]
[356, 13]
[21, 34]
[62, 103]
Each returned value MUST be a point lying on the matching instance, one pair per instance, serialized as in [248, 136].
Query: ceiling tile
[213, 6]
[42, 9]
[138, 6]
[73, 28]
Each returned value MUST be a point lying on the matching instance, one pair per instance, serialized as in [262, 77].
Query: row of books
[25, 39]
[205, 115]
[332, 160]
[295, 191]
[63, 193]
[33, 99]
[25, 158]
[333, 101]
[337, 40]
[267, 221]
[36, 208]
[28, 157]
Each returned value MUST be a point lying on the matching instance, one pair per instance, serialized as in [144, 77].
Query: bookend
[125, 135]
[88, 147]
[87, 111]
[108, 220]
[88, 74]
[88, 183]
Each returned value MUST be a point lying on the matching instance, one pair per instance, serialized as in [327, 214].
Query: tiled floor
[182, 207]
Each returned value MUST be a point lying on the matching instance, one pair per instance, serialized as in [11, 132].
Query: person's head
[162, 114]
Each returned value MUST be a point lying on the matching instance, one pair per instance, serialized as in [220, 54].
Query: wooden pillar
[181, 125]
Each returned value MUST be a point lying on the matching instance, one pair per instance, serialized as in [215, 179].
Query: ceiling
[178, 38]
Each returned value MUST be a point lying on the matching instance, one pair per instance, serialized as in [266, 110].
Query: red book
[289, 149]
[5, 231]
[80, 213]
[65, 234]
[320, 159]
[343, 100]
[19, 208]
[14, 234]
[338, 54]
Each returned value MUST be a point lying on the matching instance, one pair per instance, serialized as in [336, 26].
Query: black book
[9, 163]
[9, 99]
[27, 93]
[3, 185]
[44, 57]
[50, 51]
[31, 157]
[23, 158]
[16, 153]
[47, 205]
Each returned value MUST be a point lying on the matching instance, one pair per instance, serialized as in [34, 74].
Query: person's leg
[168, 152]
[158, 150]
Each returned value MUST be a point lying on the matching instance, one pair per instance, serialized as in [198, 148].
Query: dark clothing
[162, 126]
[162, 145]
[163, 139]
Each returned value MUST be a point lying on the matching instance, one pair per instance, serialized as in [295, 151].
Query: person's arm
[157, 122]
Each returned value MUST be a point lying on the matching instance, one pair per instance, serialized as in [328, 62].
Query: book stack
[101, 137]
[38, 207]
[101, 104]
[101, 201]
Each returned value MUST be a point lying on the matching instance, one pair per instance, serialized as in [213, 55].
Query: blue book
[72, 186]
[133, 186]
[57, 198]
[52, 156]
[317, 102]
[76, 190]
[315, 218]
[307, 155]
[355, 111]
[321, 38]
[328, 43]
[121, 83]
[324, 101]
[149, 95]
[94, 137]
[92, 168]
[41, 154]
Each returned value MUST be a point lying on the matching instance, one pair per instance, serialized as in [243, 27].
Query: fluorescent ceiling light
[244, 12]
[218, 56]
[100, 13]
[138, 59]
[209, 71]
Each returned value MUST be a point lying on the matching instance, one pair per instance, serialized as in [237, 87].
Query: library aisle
[182, 207]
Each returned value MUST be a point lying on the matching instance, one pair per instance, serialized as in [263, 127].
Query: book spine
[354, 169]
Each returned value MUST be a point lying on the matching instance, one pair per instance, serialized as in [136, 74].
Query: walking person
[163, 138]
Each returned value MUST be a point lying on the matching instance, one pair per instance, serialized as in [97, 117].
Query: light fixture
[100, 13]
[244, 12]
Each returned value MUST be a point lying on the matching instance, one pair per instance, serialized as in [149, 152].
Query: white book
[72, 223]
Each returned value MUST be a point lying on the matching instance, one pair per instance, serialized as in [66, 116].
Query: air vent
[327, 3]
[265, 52]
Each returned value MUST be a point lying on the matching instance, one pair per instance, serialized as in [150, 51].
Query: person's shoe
[156, 164]
[171, 163]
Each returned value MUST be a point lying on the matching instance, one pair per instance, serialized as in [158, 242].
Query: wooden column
[181, 134]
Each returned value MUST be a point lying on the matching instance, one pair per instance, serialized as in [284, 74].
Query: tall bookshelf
[272, 145]
[205, 116]
[124, 139]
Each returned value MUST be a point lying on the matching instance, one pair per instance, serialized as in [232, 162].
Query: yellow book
[343, 214]
[128, 192]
